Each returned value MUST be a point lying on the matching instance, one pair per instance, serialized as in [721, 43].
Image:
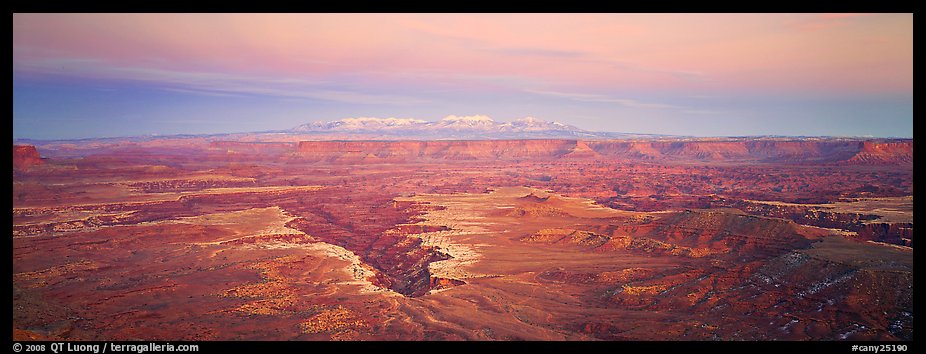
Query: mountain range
[452, 127]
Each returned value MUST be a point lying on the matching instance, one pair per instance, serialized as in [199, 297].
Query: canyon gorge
[654, 238]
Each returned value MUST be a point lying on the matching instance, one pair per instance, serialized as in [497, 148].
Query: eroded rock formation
[763, 151]
[25, 156]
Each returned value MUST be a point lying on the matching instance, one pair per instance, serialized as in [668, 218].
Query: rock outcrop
[776, 151]
[895, 233]
[391, 151]
[25, 156]
[835, 151]
[883, 152]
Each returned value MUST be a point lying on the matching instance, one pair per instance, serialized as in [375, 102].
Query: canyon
[271, 238]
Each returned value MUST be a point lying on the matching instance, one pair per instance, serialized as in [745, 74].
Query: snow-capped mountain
[478, 126]
[360, 124]
[477, 122]
[534, 124]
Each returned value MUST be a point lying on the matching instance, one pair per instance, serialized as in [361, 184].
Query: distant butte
[25, 156]
[760, 151]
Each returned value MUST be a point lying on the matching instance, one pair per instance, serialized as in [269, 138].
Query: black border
[540, 347]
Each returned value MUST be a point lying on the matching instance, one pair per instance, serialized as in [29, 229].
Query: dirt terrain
[661, 239]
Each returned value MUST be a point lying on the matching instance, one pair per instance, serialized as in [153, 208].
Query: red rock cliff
[880, 152]
[25, 156]
[774, 151]
[793, 151]
[440, 150]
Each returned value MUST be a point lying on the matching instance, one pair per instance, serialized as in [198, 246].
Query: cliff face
[879, 152]
[236, 147]
[439, 150]
[770, 151]
[755, 150]
[900, 234]
[25, 156]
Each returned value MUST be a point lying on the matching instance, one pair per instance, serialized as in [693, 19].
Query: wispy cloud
[626, 102]
[201, 92]
[586, 97]
[541, 52]
[690, 76]
[702, 111]
[215, 83]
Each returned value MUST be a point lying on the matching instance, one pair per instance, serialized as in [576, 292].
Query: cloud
[213, 83]
[690, 76]
[626, 102]
[701, 111]
[541, 52]
[200, 92]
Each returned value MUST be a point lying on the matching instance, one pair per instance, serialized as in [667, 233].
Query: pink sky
[662, 73]
[542, 52]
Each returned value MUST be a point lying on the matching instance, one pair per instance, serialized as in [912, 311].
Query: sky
[108, 75]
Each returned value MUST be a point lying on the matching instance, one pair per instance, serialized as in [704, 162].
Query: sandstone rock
[25, 156]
